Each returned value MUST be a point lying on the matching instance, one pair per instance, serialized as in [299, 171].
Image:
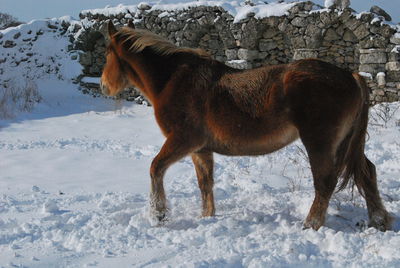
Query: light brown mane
[139, 39]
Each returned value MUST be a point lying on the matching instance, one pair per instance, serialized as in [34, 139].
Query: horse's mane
[139, 39]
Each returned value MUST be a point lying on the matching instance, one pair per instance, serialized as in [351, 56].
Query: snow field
[75, 194]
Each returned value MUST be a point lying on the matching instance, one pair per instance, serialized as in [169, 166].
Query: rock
[349, 36]
[381, 79]
[373, 43]
[143, 6]
[298, 42]
[299, 22]
[373, 56]
[305, 54]
[313, 30]
[239, 64]
[9, 44]
[361, 31]
[393, 56]
[395, 39]
[393, 76]
[231, 54]
[267, 45]
[247, 55]
[331, 35]
[269, 33]
[17, 35]
[379, 92]
[371, 68]
[85, 58]
[393, 66]
[337, 4]
[380, 12]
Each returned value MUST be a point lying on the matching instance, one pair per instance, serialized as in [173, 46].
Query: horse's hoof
[381, 223]
[312, 224]
[161, 217]
[158, 218]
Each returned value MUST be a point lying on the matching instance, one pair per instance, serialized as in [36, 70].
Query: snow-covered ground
[74, 192]
[74, 186]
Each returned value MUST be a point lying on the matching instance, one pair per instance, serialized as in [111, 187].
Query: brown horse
[203, 106]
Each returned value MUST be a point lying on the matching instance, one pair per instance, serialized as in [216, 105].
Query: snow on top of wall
[329, 3]
[108, 10]
[239, 10]
[263, 11]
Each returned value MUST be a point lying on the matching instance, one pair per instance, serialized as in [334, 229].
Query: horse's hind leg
[378, 216]
[204, 165]
[325, 179]
[174, 148]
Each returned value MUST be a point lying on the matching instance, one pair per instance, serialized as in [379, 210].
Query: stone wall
[361, 43]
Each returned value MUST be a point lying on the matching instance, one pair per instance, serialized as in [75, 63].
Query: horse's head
[114, 77]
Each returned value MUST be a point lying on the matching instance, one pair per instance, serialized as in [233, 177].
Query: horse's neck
[153, 73]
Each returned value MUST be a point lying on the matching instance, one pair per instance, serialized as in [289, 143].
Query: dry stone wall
[358, 42]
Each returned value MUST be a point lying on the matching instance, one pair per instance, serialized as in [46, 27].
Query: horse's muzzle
[104, 89]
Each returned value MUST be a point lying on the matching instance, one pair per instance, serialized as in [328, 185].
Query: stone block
[85, 58]
[372, 68]
[231, 54]
[349, 36]
[331, 35]
[299, 22]
[239, 64]
[373, 57]
[298, 42]
[267, 45]
[395, 39]
[269, 33]
[305, 54]
[393, 76]
[381, 79]
[247, 55]
[361, 31]
[393, 66]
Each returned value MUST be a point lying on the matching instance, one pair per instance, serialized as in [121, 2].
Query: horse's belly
[255, 143]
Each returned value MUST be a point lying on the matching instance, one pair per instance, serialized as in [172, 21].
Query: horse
[203, 106]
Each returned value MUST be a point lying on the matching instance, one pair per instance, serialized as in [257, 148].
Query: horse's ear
[111, 28]
[130, 24]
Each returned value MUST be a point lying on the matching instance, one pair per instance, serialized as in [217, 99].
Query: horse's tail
[350, 156]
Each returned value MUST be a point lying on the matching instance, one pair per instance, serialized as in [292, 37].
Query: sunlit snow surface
[74, 185]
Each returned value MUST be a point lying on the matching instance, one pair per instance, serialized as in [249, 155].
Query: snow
[329, 3]
[396, 49]
[108, 11]
[91, 80]
[263, 11]
[74, 186]
[368, 75]
[236, 8]
[381, 74]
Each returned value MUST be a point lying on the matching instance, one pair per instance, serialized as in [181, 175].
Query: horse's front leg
[204, 165]
[175, 147]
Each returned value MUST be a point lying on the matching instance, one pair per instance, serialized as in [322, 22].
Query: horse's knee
[156, 169]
